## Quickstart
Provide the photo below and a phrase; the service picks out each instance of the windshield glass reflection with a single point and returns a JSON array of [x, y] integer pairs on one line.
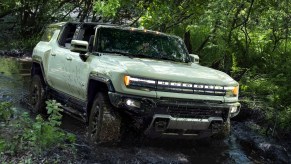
[[141, 44]]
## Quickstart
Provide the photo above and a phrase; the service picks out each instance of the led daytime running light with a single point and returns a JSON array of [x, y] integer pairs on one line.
[[126, 80], [232, 90], [235, 91]]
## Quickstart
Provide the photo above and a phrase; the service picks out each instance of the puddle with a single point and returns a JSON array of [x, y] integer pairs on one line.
[[14, 79], [14, 82]]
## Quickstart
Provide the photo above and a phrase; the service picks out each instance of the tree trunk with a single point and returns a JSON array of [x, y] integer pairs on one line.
[[187, 41]]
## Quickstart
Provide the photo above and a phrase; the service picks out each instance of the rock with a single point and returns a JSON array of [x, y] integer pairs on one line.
[[274, 152], [264, 146], [248, 113]]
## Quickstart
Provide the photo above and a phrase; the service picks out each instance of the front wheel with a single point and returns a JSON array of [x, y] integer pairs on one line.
[[224, 132], [104, 122], [37, 94]]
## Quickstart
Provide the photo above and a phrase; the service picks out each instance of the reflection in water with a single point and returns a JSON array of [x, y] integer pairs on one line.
[[14, 79], [9, 66]]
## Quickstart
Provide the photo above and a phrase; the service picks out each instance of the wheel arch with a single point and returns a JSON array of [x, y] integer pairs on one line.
[[37, 69], [97, 84]]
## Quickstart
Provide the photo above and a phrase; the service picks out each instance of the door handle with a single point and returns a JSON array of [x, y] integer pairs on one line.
[[53, 54], [69, 58]]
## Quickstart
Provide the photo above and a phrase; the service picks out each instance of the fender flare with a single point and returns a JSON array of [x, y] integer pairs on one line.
[[33, 69], [103, 79]]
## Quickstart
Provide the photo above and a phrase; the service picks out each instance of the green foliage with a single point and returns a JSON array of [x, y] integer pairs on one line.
[[19, 44], [107, 9], [53, 109], [284, 120], [260, 86], [45, 134], [24, 134], [2, 145], [5, 111], [27, 18]]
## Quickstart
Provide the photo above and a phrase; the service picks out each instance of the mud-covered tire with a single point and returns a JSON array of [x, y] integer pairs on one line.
[[37, 95], [224, 132], [104, 122]]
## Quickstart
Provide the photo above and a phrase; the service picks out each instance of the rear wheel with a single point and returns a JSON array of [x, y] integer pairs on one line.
[[37, 94], [104, 124]]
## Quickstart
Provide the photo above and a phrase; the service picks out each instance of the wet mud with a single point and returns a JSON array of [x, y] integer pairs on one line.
[[239, 147]]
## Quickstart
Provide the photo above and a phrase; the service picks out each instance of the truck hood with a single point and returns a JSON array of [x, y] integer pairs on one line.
[[172, 71]]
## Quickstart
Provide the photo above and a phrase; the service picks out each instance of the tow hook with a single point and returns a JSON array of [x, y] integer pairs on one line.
[[160, 124], [216, 126]]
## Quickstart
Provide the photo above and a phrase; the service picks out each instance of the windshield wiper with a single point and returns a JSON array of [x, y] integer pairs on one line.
[[140, 56], [155, 57], [170, 59]]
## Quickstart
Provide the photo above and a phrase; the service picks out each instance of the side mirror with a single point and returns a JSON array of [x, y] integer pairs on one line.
[[194, 58], [79, 46]]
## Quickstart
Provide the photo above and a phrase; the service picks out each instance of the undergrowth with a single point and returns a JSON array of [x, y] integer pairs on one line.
[[263, 94], [19, 44], [20, 135]]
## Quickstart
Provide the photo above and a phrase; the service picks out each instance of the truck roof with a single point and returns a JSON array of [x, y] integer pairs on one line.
[[108, 25]]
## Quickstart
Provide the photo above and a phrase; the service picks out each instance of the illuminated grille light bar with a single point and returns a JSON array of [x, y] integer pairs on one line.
[[190, 88], [171, 86]]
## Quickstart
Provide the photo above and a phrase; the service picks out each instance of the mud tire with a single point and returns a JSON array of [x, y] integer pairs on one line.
[[37, 95], [224, 133], [104, 122]]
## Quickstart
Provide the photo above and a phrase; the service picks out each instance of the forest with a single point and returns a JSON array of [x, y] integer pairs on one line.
[[248, 39]]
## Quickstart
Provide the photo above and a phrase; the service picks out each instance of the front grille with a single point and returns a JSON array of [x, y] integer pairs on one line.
[[192, 110], [194, 113]]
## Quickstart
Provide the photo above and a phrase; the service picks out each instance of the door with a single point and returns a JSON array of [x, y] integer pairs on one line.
[[78, 75], [57, 74]]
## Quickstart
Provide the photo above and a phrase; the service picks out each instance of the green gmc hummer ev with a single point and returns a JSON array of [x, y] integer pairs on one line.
[[115, 78]]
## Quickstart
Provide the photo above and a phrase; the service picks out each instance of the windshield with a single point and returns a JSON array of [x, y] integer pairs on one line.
[[141, 44]]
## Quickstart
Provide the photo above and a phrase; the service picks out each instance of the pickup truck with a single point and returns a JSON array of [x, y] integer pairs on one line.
[[116, 78]]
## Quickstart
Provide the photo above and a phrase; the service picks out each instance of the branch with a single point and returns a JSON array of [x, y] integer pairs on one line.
[[62, 3], [135, 20], [248, 16], [179, 21], [68, 13], [208, 37], [234, 21], [10, 11]]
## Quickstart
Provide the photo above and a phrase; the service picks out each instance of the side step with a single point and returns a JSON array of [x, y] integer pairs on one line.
[[74, 113]]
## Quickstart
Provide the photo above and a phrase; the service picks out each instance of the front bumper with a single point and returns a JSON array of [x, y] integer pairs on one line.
[[176, 117]]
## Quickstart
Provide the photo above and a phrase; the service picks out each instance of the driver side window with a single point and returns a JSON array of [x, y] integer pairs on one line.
[[67, 35]]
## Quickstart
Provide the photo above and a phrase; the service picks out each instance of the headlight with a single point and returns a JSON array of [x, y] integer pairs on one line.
[[135, 82], [231, 91]]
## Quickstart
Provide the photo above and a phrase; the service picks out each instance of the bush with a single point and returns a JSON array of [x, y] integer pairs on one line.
[[23, 45], [25, 135], [5, 111], [264, 92]]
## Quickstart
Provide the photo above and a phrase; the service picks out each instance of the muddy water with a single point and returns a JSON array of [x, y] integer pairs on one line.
[[14, 79], [14, 82]]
